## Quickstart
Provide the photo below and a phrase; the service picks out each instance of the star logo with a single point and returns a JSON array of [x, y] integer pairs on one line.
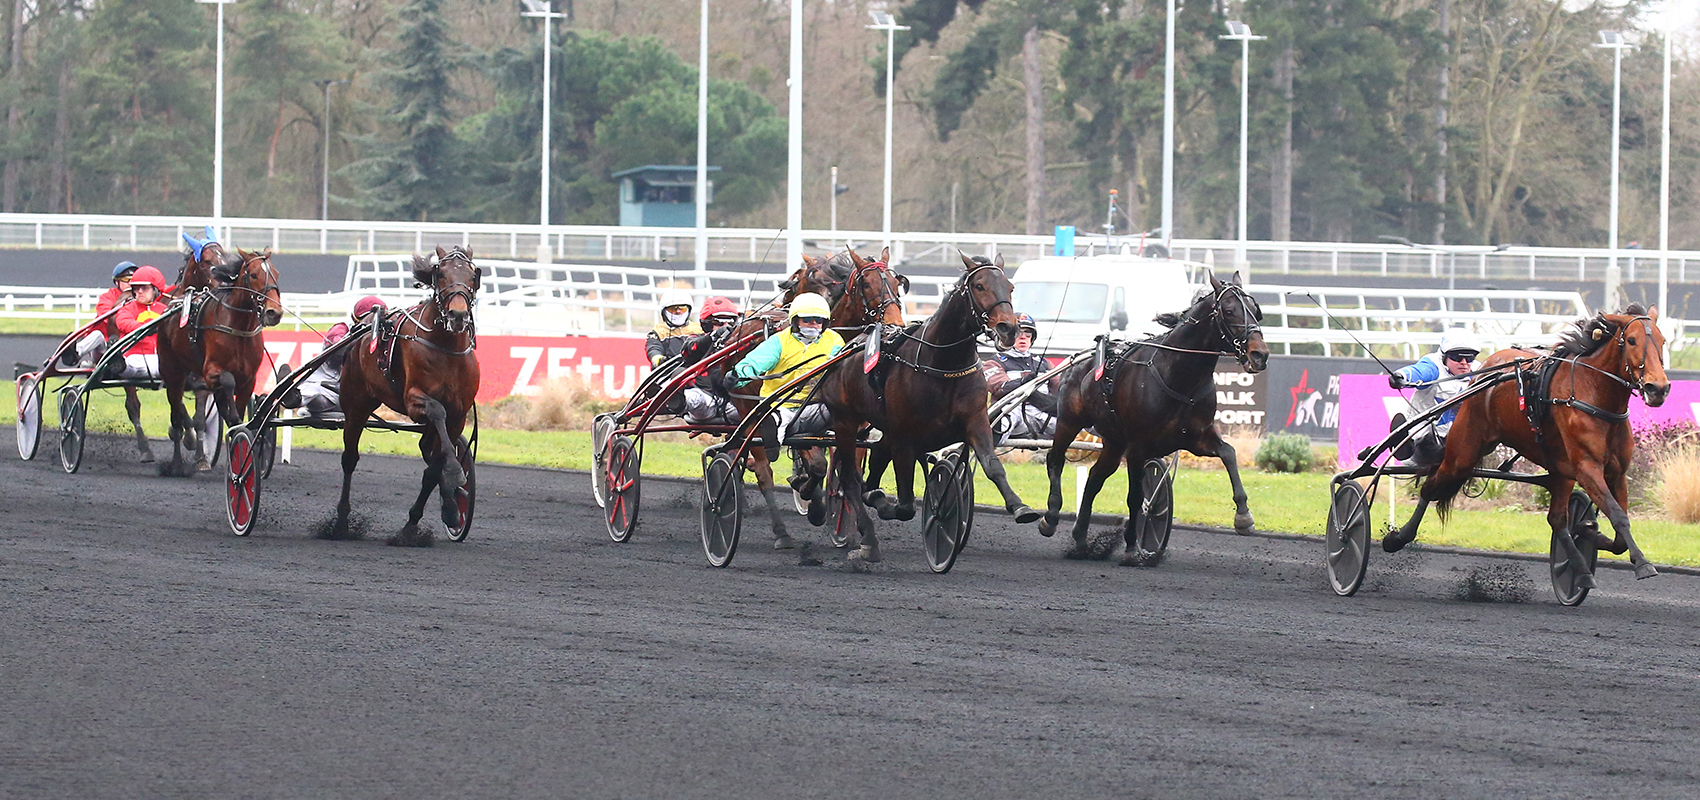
[[1301, 389]]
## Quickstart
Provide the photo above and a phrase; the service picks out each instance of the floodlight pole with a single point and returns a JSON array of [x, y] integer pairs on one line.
[[1169, 128], [794, 145], [701, 190], [1613, 41], [325, 159], [218, 122], [1240, 32], [883, 21], [1664, 191], [545, 10]]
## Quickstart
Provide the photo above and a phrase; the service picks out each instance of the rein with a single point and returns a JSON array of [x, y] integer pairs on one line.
[[981, 316]]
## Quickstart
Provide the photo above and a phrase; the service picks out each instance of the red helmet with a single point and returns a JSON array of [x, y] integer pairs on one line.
[[364, 306], [716, 307], [148, 276]]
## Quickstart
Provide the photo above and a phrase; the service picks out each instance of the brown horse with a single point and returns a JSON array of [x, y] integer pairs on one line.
[[933, 396], [432, 378], [215, 344], [860, 292], [1152, 399], [1584, 439]]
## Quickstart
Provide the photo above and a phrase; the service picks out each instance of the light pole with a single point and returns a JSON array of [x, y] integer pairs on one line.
[[883, 21], [1169, 129], [218, 121], [325, 159], [1613, 41], [794, 145], [1664, 192], [700, 192], [1241, 32], [545, 10]]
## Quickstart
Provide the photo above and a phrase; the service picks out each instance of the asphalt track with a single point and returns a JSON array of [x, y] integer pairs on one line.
[[146, 652]]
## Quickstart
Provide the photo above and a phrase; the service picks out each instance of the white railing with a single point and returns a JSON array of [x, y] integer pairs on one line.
[[1410, 323], [578, 243]]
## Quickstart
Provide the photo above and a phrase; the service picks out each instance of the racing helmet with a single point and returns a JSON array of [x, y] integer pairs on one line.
[[717, 306], [1025, 322], [148, 276], [1460, 341], [123, 268], [676, 297], [364, 306], [809, 304]]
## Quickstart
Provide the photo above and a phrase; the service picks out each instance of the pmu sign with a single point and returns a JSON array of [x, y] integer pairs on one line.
[[1240, 395]]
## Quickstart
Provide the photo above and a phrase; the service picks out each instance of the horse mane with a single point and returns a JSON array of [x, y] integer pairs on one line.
[[1586, 335], [839, 266], [228, 269]]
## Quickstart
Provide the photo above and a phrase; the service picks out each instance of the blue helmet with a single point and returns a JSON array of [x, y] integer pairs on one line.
[[123, 268], [1025, 322]]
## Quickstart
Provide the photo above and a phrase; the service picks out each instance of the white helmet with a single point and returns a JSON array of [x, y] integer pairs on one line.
[[677, 297], [1460, 339]]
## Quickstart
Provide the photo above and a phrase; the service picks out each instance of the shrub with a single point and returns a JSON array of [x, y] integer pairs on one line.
[[1678, 486], [1285, 452], [563, 404]]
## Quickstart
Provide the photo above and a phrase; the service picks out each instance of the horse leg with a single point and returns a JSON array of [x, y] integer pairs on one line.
[[410, 535], [133, 406], [202, 464], [1055, 460], [1593, 481], [1558, 517], [182, 426], [1135, 510], [1109, 459], [850, 483], [451, 477], [879, 456], [982, 441], [225, 396], [351, 430], [1211, 444], [903, 465], [764, 479]]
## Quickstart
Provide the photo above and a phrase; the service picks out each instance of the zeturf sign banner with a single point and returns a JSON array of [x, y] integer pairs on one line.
[[612, 367]]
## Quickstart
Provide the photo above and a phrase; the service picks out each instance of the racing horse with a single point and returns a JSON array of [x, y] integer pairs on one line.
[[431, 376], [215, 344], [1148, 399], [1579, 430], [924, 393], [861, 293]]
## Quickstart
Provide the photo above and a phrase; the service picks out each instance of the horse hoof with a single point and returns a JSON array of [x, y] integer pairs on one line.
[[817, 511], [1132, 560], [873, 497], [906, 513], [784, 542], [888, 511], [1243, 524], [1047, 528], [147, 457], [868, 554], [1586, 581], [1026, 514], [1394, 541], [203, 465], [1645, 570], [411, 536]]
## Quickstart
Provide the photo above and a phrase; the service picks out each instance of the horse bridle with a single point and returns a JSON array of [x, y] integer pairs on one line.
[[233, 286], [1239, 341], [879, 268], [442, 295], [1639, 383], [983, 316]]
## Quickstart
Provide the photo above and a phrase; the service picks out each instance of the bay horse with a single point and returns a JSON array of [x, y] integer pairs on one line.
[[1153, 398], [215, 344], [933, 396], [860, 293], [1583, 435], [432, 378]]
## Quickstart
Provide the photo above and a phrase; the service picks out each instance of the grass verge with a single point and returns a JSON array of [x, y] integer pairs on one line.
[[1281, 502]]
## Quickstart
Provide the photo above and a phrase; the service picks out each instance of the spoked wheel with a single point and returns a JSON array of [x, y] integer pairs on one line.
[[242, 482], [267, 447], [722, 508], [840, 513], [965, 479], [212, 432], [1156, 512], [621, 485], [29, 416], [1566, 577], [466, 497], [73, 410], [600, 431], [1348, 537], [942, 522]]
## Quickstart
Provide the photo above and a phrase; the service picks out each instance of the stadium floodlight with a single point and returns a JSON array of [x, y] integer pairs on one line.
[[884, 21], [544, 10], [1240, 32], [1614, 41]]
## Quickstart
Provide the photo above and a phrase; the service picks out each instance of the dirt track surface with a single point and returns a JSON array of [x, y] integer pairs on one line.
[[146, 652]]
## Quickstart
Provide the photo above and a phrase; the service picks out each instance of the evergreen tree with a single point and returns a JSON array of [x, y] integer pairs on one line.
[[412, 167], [281, 54]]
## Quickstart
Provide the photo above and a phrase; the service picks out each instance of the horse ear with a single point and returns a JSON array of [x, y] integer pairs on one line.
[[1236, 279], [885, 256], [243, 254], [268, 252], [1214, 282], [997, 261], [1653, 313], [1168, 319], [855, 258], [967, 263], [809, 261], [467, 250], [441, 253]]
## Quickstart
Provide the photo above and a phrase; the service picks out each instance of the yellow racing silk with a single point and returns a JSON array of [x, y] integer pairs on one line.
[[780, 354]]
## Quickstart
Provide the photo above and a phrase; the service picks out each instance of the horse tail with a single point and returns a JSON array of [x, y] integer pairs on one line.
[[1442, 494]]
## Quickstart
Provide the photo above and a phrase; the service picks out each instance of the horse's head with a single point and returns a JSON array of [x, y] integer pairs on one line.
[[872, 293], [454, 281], [203, 267], [989, 297], [1237, 316], [254, 276], [1637, 334]]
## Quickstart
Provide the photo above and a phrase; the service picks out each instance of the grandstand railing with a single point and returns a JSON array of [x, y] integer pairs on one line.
[[607, 243]]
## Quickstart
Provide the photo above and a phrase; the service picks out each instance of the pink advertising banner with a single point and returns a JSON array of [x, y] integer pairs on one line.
[[1367, 406]]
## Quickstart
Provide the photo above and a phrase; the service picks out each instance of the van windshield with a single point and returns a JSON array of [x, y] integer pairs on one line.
[[1057, 301]]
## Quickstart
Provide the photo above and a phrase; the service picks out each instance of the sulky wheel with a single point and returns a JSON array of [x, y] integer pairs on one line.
[[965, 479], [601, 430], [212, 432], [1348, 537], [722, 508], [621, 485], [242, 482], [1156, 513], [840, 513], [29, 416], [268, 451], [1567, 583], [73, 411], [466, 497], [942, 522]]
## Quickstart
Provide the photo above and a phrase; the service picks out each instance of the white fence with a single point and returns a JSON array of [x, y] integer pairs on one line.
[[590, 243], [1409, 323]]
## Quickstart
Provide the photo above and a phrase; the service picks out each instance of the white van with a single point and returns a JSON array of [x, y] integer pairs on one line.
[[1075, 299]]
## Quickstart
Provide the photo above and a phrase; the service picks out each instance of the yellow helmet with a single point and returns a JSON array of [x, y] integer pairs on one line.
[[809, 304]]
